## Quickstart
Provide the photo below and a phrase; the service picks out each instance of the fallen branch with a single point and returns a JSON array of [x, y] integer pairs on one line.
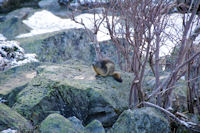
[[189, 125]]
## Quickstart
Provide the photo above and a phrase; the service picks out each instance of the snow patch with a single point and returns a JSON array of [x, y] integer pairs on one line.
[[2, 100], [11, 55], [9, 131], [45, 22], [2, 37]]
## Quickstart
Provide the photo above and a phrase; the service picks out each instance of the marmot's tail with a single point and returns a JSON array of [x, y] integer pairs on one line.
[[117, 77]]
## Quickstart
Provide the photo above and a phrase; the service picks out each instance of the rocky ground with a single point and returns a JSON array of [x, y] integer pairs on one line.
[[57, 90]]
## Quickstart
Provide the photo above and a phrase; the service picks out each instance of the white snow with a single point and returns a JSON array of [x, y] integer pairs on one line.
[[11, 44], [11, 55], [91, 1], [2, 38], [28, 58], [2, 100], [83, 2], [9, 131], [45, 21]]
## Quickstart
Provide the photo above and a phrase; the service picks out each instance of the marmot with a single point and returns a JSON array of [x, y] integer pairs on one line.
[[106, 67]]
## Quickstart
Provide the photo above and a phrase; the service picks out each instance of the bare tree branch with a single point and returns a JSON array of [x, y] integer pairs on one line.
[[171, 75]]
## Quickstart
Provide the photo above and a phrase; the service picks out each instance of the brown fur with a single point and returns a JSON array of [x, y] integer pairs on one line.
[[106, 67]]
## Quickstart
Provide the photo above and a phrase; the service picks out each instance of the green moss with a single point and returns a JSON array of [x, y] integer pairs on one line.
[[11, 119], [141, 120], [56, 123], [16, 77], [95, 127], [69, 89]]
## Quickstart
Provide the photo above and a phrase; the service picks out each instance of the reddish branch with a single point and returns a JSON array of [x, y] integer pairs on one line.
[[172, 74]]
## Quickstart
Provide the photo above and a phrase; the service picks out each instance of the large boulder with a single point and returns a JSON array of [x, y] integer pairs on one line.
[[11, 119], [143, 120], [56, 123], [73, 43], [58, 47], [72, 89]]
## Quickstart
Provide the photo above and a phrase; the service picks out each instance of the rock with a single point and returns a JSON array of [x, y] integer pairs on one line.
[[55, 7], [13, 80], [21, 13], [11, 119], [77, 124], [143, 120], [62, 46], [64, 2], [74, 43], [13, 27], [95, 127], [56, 123], [51, 5], [12, 24], [8, 5], [44, 96], [71, 89]]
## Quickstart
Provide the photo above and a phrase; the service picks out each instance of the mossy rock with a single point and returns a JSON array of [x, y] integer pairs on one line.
[[60, 46], [11, 119], [13, 27], [95, 127], [13, 80], [56, 123], [143, 120], [72, 89]]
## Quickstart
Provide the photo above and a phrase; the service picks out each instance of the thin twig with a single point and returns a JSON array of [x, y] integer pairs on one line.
[[172, 74]]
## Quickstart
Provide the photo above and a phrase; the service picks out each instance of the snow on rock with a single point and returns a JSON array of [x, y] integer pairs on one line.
[[2, 37], [11, 55], [45, 21], [82, 2], [9, 131], [2, 100], [85, 2]]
